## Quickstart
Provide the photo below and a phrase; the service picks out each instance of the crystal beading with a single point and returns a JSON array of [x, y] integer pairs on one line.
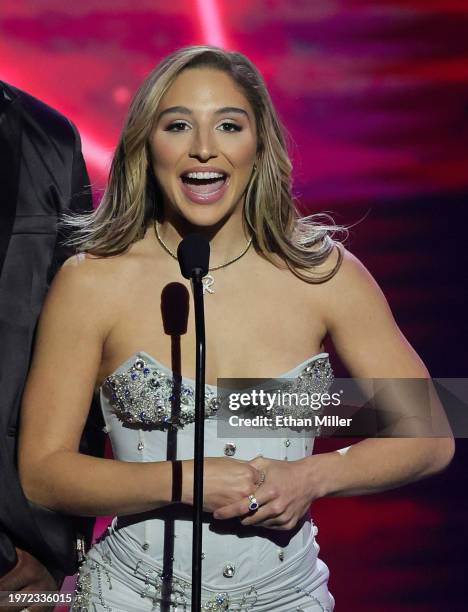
[[146, 396], [154, 588], [315, 377], [155, 583]]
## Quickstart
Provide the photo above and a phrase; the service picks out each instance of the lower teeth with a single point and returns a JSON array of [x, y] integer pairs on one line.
[[206, 187]]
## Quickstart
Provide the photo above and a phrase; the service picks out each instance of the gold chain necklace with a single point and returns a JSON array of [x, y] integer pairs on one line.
[[208, 280]]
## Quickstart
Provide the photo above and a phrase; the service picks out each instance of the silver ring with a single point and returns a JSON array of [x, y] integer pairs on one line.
[[253, 503], [262, 479]]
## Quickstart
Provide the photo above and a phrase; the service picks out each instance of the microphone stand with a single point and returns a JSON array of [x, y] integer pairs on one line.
[[199, 443]]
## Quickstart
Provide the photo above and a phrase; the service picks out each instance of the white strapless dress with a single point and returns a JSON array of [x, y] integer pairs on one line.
[[144, 561]]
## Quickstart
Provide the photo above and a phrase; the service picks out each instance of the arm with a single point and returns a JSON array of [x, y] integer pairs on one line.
[[72, 329], [76, 319], [370, 344]]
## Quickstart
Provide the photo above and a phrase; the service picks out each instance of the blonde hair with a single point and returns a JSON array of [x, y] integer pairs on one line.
[[132, 197]]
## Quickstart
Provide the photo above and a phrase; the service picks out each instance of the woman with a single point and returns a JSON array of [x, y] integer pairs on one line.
[[202, 149]]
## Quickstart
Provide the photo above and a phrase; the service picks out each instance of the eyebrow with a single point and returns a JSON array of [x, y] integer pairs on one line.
[[186, 111]]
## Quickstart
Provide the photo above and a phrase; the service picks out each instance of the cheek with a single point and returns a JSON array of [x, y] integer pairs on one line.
[[243, 153], [164, 152]]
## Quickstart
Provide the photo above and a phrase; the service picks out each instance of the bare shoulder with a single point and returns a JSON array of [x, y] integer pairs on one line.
[[88, 286], [352, 287], [86, 267], [83, 277], [362, 327], [102, 275], [350, 271], [100, 285]]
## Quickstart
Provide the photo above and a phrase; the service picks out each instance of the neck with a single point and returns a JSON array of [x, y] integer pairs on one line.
[[227, 238]]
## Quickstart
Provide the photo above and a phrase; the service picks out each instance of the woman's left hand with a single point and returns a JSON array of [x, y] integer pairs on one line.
[[283, 498]]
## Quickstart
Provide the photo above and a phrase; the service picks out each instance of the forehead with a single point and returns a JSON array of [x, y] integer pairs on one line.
[[201, 88]]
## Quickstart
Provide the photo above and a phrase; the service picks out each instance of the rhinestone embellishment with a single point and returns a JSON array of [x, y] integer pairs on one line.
[[229, 570], [139, 364], [230, 449], [145, 395], [88, 592], [218, 603], [316, 377]]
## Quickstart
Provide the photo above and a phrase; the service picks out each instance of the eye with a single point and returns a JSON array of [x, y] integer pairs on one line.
[[236, 128], [175, 124]]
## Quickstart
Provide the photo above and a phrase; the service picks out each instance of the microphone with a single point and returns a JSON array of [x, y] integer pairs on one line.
[[193, 254]]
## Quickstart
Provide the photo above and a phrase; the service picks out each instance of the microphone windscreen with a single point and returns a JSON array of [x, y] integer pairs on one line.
[[193, 252]]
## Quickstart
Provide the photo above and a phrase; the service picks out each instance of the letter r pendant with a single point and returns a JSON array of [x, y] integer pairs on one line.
[[207, 282]]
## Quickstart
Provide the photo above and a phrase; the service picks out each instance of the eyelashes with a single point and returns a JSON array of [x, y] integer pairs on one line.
[[170, 128], [236, 128]]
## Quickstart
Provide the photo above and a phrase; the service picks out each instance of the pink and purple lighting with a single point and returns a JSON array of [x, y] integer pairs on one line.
[[375, 98]]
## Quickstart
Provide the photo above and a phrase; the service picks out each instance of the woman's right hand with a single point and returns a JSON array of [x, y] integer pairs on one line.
[[225, 481]]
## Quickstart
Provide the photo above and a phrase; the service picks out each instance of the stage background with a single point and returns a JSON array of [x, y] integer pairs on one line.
[[375, 97]]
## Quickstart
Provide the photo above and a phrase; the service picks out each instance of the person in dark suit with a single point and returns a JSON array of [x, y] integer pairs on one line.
[[42, 174]]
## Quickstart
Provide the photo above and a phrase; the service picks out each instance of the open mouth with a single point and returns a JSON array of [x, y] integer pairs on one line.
[[204, 183]]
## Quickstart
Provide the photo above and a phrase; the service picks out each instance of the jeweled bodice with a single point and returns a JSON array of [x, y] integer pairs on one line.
[[148, 395], [149, 415]]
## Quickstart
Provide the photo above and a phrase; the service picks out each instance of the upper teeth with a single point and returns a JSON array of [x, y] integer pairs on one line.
[[204, 175]]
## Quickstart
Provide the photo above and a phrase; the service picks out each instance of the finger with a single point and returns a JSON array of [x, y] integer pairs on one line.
[[265, 513], [277, 522], [230, 511], [241, 507], [274, 527], [258, 518]]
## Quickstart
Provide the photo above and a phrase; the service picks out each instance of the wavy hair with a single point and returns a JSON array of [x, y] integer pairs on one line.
[[132, 197]]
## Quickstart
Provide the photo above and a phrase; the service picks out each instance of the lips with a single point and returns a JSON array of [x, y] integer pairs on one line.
[[204, 190]]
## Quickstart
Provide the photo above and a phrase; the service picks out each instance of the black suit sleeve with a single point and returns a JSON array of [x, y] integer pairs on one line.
[[49, 142], [80, 202]]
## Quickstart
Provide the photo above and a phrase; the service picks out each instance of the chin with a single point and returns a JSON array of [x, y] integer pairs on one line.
[[204, 219], [204, 215]]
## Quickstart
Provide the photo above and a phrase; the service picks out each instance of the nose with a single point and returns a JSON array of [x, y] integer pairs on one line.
[[203, 146]]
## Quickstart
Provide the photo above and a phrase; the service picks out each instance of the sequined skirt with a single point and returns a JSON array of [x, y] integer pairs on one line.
[[117, 577]]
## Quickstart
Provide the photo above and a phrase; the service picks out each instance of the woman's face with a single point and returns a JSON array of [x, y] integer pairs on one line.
[[203, 124]]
